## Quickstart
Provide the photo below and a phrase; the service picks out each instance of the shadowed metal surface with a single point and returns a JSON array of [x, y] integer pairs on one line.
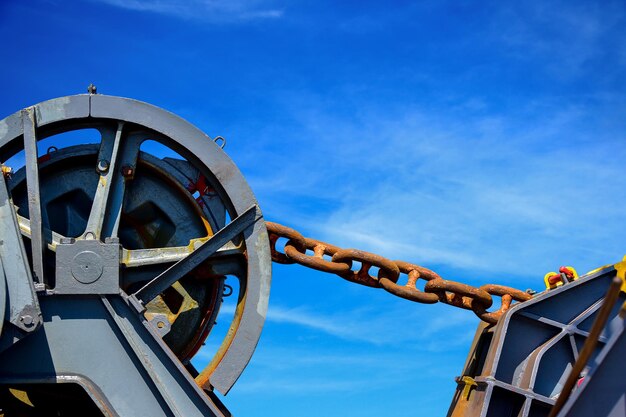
[[67, 225], [519, 366]]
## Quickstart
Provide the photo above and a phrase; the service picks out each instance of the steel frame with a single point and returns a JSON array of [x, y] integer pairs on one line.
[[71, 337]]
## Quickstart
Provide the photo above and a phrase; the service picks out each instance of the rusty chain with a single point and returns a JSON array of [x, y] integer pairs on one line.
[[335, 260]]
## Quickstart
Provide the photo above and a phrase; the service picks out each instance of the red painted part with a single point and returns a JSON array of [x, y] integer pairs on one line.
[[553, 279], [568, 272]]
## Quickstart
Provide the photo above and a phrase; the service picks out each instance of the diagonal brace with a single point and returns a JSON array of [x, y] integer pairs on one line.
[[163, 281], [22, 309]]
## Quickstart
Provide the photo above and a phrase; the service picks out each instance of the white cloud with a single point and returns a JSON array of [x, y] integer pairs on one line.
[[207, 10], [493, 193], [394, 326]]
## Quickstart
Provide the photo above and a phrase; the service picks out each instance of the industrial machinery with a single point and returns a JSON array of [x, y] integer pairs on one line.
[[119, 223]]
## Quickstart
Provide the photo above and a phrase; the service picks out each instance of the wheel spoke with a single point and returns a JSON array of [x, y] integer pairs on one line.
[[29, 121], [184, 266], [142, 257], [52, 238], [116, 164]]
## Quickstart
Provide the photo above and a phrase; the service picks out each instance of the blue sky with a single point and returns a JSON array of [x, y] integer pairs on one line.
[[485, 141]]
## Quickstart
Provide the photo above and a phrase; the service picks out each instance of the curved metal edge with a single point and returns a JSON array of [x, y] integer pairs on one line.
[[232, 181], [46, 112], [256, 298], [3, 297]]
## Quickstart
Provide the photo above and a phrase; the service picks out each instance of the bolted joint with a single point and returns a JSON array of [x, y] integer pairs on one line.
[[29, 319], [103, 166], [7, 171]]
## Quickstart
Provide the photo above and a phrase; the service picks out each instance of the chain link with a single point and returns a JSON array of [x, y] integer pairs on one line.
[[335, 260]]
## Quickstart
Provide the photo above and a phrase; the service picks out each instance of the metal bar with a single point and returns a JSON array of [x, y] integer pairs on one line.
[[32, 181], [52, 238], [125, 166], [590, 344], [184, 266], [132, 258], [23, 310], [3, 296], [174, 384], [107, 166]]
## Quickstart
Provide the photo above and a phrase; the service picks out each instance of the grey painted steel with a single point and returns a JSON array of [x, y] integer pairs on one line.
[[69, 172], [603, 391], [113, 354], [34, 205], [165, 280], [88, 267], [108, 165], [110, 198], [525, 359], [234, 185], [87, 110], [3, 297], [22, 305], [185, 171]]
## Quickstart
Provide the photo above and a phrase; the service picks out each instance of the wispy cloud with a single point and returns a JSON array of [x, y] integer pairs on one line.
[[565, 35], [480, 191], [207, 10], [372, 326]]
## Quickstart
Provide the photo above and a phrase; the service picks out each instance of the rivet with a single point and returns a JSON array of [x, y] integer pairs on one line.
[[103, 165]]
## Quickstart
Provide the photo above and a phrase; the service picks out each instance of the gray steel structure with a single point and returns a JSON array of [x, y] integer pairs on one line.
[[94, 235], [102, 244], [519, 366]]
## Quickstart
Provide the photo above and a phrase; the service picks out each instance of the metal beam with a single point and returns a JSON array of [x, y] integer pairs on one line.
[[29, 121], [23, 307], [186, 265]]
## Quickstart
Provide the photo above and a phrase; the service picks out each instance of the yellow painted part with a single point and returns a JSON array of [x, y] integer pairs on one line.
[[22, 396], [6, 170], [207, 226], [548, 285], [620, 267], [469, 383], [558, 284], [598, 269], [158, 306]]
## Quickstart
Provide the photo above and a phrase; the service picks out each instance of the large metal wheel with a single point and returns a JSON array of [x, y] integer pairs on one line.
[[160, 209]]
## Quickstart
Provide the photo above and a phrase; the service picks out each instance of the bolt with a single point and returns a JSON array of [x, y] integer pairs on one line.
[[7, 171], [103, 165], [128, 171], [92, 89], [160, 324], [27, 320]]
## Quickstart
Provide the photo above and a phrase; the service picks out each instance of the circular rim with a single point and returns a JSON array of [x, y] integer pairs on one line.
[[3, 298], [238, 346]]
